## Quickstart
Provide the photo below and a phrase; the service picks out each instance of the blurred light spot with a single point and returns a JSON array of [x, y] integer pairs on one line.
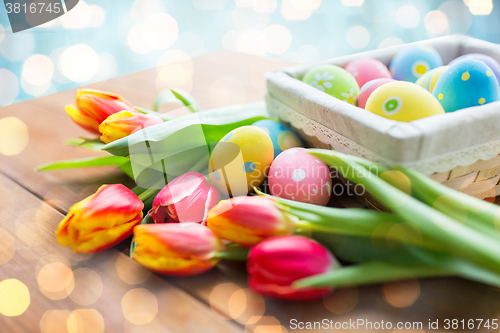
[[436, 22], [49, 259], [290, 12], [26, 228], [159, 31], [390, 41], [306, 4], [38, 69], [265, 6], [55, 321], [8, 248], [244, 3], [152, 327], [79, 63], [227, 91], [14, 136], [173, 56], [125, 24], [230, 40], [77, 18], [33, 89], [136, 42], [252, 42], [278, 38], [210, 4], [358, 37], [401, 294], [85, 321], [480, 7], [191, 43], [245, 306], [248, 19], [55, 56], [267, 324], [342, 300], [87, 287], [17, 47], [355, 3], [107, 65], [15, 297], [453, 9], [54, 23], [408, 16], [308, 53], [97, 16], [9, 87], [55, 280], [139, 306], [130, 271], [141, 9], [219, 298], [466, 2], [174, 76]]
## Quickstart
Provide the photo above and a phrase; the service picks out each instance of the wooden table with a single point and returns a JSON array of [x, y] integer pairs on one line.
[[110, 292]]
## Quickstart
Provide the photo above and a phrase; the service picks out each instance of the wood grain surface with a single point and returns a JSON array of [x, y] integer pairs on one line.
[[110, 292]]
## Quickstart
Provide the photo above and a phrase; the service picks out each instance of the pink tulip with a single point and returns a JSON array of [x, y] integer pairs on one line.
[[274, 264], [187, 198]]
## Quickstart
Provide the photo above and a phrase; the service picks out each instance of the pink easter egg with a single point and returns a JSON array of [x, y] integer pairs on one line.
[[297, 175], [365, 70], [368, 88]]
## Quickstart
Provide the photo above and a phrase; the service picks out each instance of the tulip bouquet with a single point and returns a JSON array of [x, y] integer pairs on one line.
[[182, 225]]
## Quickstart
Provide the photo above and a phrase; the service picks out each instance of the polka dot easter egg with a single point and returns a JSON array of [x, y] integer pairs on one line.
[[466, 84], [368, 88], [412, 62], [335, 81], [283, 138], [365, 70], [488, 61], [297, 175], [241, 160], [403, 101], [429, 79]]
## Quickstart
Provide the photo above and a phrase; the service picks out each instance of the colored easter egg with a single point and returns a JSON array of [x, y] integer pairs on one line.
[[466, 84], [335, 81], [297, 175], [365, 70], [368, 88], [282, 136], [412, 62], [489, 61], [241, 160], [403, 101]]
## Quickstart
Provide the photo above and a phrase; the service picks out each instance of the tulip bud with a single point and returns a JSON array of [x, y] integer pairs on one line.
[[93, 107], [249, 220], [187, 198], [274, 264], [176, 249], [124, 123], [101, 221]]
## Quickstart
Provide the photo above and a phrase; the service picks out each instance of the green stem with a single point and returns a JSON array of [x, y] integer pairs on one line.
[[369, 273], [233, 253]]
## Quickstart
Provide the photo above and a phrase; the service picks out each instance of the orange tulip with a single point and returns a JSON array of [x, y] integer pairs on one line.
[[249, 220], [101, 221], [93, 107], [124, 123], [180, 249]]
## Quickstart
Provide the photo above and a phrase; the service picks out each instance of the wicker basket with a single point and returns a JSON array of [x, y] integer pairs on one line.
[[325, 122]]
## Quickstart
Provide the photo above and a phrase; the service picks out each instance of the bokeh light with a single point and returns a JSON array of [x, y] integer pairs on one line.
[[14, 135], [342, 300], [85, 321], [355, 3], [8, 248], [480, 7], [401, 294], [87, 287], [291, 12], [79, 63], [130, 271], [15, 298], [358, 37], [77, 18], [55, 321], [159, 31], [436, 22], [139, 306], [278, 38], [17, 47], [408, 16], [56, 280]]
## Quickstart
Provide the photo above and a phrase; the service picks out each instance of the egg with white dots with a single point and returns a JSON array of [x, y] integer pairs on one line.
[[403, 101], [410, 63], [241, 160], [297, 175], [465, 84], [282, 136]]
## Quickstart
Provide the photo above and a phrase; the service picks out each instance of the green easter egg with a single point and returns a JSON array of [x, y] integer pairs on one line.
[[335, 81]]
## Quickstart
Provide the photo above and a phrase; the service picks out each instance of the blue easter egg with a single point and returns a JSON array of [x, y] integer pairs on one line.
[[412, 62], [281, 135], [466, 84]]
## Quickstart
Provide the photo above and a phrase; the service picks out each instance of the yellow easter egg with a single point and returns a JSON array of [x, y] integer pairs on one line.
[[241, 160], [403, 101]]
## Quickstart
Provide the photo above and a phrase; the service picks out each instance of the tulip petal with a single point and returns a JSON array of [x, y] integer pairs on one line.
[[82, 120]]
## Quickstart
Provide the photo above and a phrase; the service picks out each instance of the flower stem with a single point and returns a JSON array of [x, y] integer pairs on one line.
[[233, 253]]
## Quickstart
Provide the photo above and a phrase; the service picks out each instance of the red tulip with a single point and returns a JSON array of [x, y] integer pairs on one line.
[[187, 198], [274, 264]]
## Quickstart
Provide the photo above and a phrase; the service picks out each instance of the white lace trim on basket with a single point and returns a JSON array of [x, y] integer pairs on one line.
[[338, 142]]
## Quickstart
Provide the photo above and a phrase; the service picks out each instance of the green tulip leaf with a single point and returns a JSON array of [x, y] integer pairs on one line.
[[84, 163], [177, 96], [92, 144]]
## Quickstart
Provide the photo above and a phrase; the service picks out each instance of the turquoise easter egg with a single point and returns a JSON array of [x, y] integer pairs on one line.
[[335, 81], [466, 84], [282, 136], [410, 63]]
